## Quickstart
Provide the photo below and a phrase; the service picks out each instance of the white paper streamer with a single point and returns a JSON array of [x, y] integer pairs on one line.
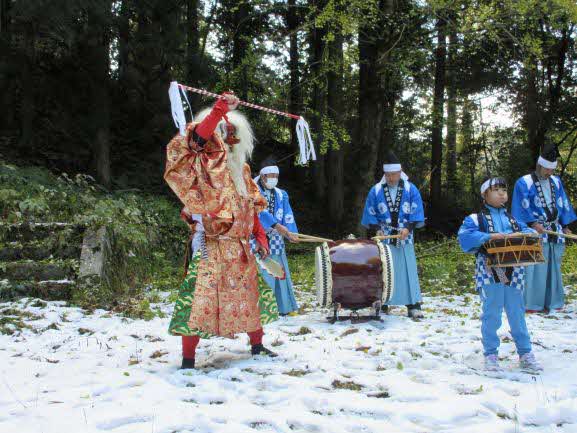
[[177, 108], [306, 145]]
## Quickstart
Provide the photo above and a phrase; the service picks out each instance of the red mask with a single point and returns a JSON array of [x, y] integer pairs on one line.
[[231, 138]]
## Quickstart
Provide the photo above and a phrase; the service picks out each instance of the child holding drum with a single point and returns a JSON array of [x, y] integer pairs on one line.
[[499, 287]]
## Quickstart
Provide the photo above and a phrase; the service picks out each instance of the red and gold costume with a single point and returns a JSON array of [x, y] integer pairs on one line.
[[226, 297]]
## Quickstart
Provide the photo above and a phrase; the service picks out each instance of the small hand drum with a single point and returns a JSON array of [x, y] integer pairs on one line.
[[523, 250]]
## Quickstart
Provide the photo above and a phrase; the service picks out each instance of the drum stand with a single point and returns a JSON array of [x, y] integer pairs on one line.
[[355, 317]]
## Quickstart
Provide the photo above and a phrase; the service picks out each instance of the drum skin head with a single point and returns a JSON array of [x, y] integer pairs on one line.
[[353, 273]]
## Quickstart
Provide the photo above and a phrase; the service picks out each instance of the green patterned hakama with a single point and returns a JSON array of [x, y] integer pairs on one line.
[[179, 323]]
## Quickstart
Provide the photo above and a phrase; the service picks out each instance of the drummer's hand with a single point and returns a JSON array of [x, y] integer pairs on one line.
[[380, 233], [567, 230], [404, 234], [538, 227], [293, 238], [262, 251], [283, 231], [497, 236]]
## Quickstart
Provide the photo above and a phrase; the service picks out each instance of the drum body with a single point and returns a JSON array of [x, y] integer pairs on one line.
[[354, 274], [514, 251]]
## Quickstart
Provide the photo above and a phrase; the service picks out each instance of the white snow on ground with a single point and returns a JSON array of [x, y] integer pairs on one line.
[[103, 373]]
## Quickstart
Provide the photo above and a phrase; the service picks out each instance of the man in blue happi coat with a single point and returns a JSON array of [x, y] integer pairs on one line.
[[279, 223], [540, 201], [394, 206]]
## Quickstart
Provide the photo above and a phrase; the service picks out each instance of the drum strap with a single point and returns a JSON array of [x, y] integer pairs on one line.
[[551, 212], [394, 208], [271, 198], [487, 225]]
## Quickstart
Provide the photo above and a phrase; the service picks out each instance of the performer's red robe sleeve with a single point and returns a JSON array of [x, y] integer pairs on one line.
[[259, 233], [206, 128]]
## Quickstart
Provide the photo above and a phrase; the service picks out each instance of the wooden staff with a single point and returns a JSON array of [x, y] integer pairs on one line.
[[307, 238], [565, 235], [382, 238], [521, 235]]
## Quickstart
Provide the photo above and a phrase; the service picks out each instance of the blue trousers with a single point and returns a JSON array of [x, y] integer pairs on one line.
[[544, 282], [495, 298]]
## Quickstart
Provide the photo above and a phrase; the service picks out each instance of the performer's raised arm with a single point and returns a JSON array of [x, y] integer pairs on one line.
[[205, 129]]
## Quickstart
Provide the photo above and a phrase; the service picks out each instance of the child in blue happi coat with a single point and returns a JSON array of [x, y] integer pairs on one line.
[[499, 288]]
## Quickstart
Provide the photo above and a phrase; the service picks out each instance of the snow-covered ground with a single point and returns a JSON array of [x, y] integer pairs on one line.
[[103, 373]]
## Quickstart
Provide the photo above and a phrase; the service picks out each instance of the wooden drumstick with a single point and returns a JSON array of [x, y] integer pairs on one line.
[[565, 235], [382, 238], [307, 238], [521, 235], [312, 241]]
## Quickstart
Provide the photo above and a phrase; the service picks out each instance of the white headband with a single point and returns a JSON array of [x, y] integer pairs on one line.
[[403, 176], [485, 186], [488, 183], [547, 164], [271, 169], [388, 168]]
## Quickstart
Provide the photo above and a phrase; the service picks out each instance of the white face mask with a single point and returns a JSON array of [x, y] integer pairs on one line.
[[271, 183]]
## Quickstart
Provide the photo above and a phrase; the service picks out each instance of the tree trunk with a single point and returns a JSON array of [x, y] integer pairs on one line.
[[124, 42], [9, 68], [532, 117], [438, 107], [370, 114], [542, 99], [294, 91], [192, 42], [390, 82], [387, 131], [469, 148], [452, 184], [334, 113], [240, 45], [28, 109], [98, 62], [4, 17], [318, 96]]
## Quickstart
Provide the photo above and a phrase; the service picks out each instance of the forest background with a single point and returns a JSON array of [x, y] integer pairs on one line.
[[456, 88]]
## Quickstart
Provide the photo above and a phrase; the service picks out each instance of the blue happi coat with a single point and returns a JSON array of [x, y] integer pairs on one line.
[[279, 212], [411, 215], [544, 282]]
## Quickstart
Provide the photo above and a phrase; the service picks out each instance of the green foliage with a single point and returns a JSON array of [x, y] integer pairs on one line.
[[333, 135], [147, 236], [444, 268]]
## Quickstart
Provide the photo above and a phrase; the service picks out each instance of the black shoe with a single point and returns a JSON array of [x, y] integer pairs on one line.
[[385, 309], [415, 313], [259, 349], [187, 363]]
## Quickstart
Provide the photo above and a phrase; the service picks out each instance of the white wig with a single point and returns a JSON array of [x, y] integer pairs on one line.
[[243, 129], [242, 151]]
